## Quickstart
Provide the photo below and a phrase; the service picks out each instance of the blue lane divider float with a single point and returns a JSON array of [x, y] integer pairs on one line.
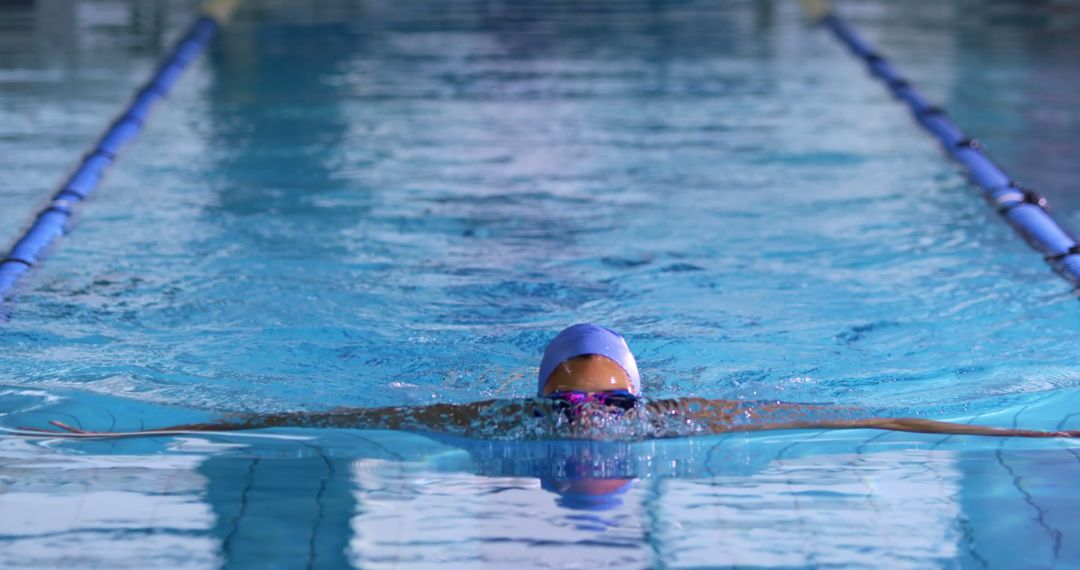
[[52, 221], [1022, 208]]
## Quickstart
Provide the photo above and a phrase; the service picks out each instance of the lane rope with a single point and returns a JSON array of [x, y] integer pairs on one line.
[[52, 221], [1025, 210]]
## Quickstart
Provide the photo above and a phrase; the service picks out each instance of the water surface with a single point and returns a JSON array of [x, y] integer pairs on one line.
[[380, 204]]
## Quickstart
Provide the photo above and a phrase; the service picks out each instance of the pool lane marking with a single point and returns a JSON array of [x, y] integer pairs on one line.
[[1023, 209], [51, 222]]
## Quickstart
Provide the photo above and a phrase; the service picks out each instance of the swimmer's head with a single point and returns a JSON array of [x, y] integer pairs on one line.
[[588, 358]]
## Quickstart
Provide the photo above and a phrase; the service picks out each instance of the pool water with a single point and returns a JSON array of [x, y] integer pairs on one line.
[[394, 204]]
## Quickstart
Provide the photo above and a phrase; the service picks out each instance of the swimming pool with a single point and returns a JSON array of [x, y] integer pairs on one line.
[[382, 204]]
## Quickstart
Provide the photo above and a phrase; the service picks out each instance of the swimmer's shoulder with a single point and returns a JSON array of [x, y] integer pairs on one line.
[[719, 412], [691, 404]]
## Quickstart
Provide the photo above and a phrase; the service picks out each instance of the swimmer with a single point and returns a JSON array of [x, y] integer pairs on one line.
[[587, 377]]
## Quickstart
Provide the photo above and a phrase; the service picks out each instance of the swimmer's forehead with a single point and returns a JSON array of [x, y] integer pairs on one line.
[[587, 373]]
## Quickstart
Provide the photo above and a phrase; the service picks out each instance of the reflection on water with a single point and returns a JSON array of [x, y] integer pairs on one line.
[[384, 499]]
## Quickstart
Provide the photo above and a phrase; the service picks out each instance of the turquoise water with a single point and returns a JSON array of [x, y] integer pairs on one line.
[[396, 204]]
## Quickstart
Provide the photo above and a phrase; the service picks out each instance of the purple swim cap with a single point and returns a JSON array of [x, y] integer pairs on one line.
[[582, 339]]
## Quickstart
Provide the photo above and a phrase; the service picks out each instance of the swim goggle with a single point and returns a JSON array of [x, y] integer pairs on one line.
[[572, 403]]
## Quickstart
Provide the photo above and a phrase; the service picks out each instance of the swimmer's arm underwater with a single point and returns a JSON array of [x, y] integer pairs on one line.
[[727, 416], [416, 421], [433, 417], [914, 425], [713, 417]]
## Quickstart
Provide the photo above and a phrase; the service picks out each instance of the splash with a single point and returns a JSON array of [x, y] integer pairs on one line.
[[537, 419]]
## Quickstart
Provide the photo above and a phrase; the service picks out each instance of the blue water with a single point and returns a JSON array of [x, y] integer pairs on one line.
[[397, 204]]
